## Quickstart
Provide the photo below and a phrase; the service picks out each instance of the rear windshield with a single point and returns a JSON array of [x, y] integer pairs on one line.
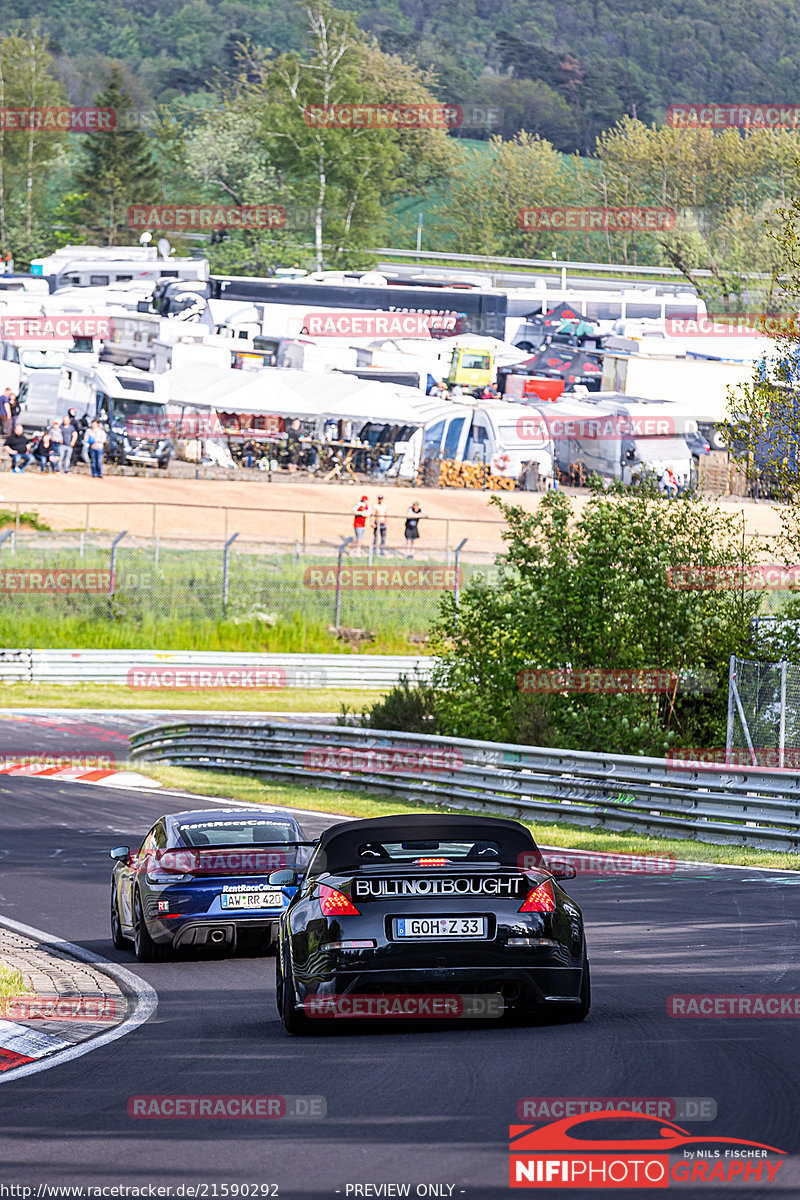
[[236, 833], [429, 853]]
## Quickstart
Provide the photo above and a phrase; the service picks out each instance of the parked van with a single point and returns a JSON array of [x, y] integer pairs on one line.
[[509, 438]]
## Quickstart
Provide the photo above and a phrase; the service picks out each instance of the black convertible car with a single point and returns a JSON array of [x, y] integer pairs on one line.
[[429, 905]]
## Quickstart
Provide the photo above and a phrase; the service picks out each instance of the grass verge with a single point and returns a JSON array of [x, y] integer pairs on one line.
[[11, 982], [341, 802], [107, 696]]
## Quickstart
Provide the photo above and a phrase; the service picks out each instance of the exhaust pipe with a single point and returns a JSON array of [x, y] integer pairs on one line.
[[217, 935]]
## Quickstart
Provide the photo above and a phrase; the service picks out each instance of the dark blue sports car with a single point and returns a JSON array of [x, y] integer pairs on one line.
[[211, 877]]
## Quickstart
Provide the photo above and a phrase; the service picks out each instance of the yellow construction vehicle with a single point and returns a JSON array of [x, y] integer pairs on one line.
[[471, 368]]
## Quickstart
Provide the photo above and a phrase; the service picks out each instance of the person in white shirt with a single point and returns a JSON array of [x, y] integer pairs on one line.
[[96, 441]]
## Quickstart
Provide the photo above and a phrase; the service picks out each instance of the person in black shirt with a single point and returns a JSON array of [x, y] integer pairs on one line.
[[45, 451], [413, 516], [17, 447]]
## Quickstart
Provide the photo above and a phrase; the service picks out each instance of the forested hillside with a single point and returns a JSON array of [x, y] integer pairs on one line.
[[566, 71]]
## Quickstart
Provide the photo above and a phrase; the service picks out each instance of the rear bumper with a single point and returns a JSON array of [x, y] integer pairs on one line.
[[520, 985], [202, 931]]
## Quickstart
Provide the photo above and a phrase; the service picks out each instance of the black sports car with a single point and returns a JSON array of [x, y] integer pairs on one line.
[[429, 905]]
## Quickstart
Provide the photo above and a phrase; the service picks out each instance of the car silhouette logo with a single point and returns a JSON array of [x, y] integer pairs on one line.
[[558, 1136]]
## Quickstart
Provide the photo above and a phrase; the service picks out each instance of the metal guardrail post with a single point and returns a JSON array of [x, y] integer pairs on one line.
[[782, 731], [226, 555], [456, 581], [338, 608], [112, 583], [731, 686]]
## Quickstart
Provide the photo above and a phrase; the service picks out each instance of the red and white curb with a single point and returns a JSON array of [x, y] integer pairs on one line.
[[20, 1045], [38, 1051], [123, 779]]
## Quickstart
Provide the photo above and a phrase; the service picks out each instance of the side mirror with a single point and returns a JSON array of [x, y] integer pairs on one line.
[[284, 878], [119, 853], [560, 869]]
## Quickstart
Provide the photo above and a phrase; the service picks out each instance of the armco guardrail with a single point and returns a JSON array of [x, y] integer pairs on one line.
[[619, 792], [378, 671]]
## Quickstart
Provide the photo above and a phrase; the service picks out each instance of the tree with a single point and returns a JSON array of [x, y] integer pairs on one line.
[[492, 188], [347, 173], [724, 188], [596, 590], [28, 155], [118, 168]]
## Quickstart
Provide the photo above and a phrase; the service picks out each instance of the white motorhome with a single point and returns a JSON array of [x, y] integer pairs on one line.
[[131, 404], [21, 359], [508, 438], [99, 266], [618, 438]]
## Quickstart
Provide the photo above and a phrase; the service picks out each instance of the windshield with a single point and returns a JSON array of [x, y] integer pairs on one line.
[[133, 409], [658, 448], [35, 360], [531, 426]]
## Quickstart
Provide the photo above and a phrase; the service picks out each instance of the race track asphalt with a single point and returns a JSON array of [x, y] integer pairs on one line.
[[429, 1105]]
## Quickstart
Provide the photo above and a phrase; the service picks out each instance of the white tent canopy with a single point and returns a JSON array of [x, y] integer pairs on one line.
[[287, 393]]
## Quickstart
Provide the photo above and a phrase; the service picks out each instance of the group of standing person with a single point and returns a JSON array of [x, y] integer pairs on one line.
[[55, 448], [376, 516]]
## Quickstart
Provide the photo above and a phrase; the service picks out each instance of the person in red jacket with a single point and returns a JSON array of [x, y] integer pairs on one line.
[[362, 512]]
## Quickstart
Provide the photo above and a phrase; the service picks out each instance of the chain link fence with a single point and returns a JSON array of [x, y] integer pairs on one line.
[[98, 580], [763, 713]]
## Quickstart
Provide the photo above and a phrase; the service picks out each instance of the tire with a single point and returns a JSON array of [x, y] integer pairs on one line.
[[572, 1014], [145, 949], [294, 1022], [118, 939]]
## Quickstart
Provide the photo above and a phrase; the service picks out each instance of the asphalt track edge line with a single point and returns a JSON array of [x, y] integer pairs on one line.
[[145, 996]]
